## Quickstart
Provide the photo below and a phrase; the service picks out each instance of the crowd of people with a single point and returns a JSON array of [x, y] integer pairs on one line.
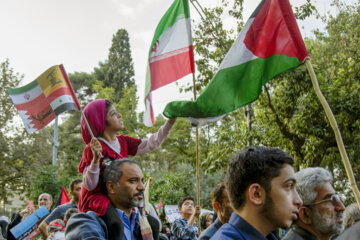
[[261, 197]]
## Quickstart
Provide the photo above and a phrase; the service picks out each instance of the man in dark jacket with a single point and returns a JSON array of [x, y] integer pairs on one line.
[[221, 204], [124, 184], [261, 186]]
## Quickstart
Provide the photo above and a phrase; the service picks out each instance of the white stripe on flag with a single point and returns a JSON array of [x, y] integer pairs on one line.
[[175, 37], [61, 100], [27, 121], [238, 53], [27, 96], [169, 54], [147, 114]]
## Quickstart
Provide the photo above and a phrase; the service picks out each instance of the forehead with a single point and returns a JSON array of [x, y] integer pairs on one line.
[[188, 201], [111, 109], [324, 191], [131, 170], [286, 173], [78, 185], [44, 196]]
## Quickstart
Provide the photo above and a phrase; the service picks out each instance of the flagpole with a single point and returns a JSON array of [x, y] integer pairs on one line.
[[55, 141], [333, 123], [202, 17], [89, 128], [197, 159]]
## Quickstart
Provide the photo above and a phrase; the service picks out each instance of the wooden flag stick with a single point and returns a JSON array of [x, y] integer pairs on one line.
[[197, 159], [336, 130], [89, 128]]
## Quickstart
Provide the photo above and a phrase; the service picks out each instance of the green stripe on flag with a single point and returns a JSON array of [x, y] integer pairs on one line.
[[232, 88], [178, 10], [23, 89]]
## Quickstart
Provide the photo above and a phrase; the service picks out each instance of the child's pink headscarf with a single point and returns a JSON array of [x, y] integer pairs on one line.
[[95, 113]]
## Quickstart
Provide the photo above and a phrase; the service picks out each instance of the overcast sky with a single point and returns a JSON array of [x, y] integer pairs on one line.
[[37, 34]]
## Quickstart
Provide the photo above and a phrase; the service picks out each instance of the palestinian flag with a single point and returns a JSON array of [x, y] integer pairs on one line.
[[63, 197], [159, 208], [270, 43], [171, 54], [40, 101]]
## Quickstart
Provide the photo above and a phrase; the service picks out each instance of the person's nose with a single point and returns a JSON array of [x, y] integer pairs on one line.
[[141, 186], [297, 200], [339, 207]]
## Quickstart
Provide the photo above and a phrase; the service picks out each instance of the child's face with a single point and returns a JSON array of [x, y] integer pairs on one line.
[[114, 119], [187, 207]]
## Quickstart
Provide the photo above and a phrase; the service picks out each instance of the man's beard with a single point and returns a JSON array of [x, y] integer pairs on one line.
[[226, 214], [268, 212], [137, 203], [326, 224]]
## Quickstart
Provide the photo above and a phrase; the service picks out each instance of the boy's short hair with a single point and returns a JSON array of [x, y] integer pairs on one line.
[[253, 165], [184, 199]]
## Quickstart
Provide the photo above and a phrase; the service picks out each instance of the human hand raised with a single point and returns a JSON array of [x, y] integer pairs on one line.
[[96, 149]]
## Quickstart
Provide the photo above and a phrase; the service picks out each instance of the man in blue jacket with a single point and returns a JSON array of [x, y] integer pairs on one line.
[[261, 186], [124, 184], [221, 204]]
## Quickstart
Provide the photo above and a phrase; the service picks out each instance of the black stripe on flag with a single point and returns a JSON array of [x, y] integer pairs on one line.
[[65, 107]]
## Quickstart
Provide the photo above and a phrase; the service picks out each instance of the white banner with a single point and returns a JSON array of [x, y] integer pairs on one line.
[[172, 212]]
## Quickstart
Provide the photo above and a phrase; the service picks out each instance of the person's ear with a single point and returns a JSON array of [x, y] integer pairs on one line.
[[110, 186], [304, 215], [256, 194], [180, 209], [216, 206]]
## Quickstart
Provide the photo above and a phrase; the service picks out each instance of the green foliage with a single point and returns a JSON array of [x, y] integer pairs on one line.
[[172, 186], [45, 181], [288, 114], [118, 71], [82, 83]]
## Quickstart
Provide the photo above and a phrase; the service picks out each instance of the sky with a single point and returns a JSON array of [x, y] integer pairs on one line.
[[37, 34]]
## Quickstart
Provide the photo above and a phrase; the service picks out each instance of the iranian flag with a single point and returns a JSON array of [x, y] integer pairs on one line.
[[40, 101], [270, 43], [171, 54]]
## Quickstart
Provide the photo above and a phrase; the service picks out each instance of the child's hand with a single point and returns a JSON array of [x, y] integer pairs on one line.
[[96, 148]]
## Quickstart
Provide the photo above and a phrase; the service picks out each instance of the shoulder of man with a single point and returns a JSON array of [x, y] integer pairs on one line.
[[154, 224], [227, 231], [86, 226], [59, 212], [297, 233]]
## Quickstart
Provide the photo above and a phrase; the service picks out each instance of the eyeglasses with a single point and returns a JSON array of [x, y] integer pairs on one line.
[[335, 199]]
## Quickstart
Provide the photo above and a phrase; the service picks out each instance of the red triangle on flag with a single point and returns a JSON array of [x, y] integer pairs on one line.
[[64, 197]]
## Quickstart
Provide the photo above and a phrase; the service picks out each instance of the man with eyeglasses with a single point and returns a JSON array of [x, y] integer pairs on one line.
[[320, 217]]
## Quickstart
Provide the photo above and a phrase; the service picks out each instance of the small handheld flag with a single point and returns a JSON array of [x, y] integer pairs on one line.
[[40, 101]]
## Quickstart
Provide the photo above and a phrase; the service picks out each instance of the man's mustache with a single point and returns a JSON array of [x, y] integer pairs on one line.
[[138, 194]]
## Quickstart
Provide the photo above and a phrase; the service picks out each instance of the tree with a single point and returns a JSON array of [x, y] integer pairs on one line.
[[289, 115], [117, 71]]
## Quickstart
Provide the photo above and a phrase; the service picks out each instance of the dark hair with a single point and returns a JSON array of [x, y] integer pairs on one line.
[[69, 213], [184, 199], [73, 183], [217, 193], [113, 171], [108, 104], [203, 219], [253, 165]]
